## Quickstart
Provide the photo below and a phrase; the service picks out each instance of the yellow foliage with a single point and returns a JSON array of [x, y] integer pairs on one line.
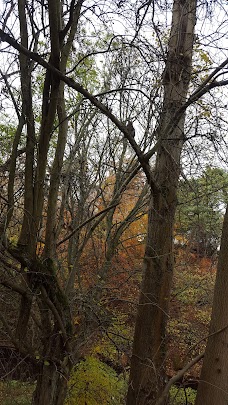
[[94, 383]]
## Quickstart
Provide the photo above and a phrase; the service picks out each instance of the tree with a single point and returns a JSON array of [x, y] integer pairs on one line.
[[199, 215], [146, 377], [213, 382]]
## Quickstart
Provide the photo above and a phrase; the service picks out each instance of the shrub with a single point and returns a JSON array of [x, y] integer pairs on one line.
[[94, 383]]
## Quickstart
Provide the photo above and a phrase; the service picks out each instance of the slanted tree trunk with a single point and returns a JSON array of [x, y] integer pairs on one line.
[[147, 364], [213, 384]]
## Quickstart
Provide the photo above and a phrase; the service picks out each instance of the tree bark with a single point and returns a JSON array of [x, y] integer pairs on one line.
[[213, 384], [51, 387], [147, 364], [56, 357], [27, 235]]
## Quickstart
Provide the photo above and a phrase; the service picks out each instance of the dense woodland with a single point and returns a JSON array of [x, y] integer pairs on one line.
[[113, 196]]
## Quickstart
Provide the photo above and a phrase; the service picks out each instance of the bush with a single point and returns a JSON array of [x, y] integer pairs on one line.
[[94, 383]]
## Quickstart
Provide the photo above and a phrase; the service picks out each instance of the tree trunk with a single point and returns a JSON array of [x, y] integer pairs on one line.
[[56, 360], [147, 364], [51, 387], [213, 385]]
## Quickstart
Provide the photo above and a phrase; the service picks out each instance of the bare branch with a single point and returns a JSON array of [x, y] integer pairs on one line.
[[14, 287], [177, 377], [86, 222], [181, 373], [103, 108], [210, 78]]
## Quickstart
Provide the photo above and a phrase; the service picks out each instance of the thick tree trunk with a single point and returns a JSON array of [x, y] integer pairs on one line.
[[213, 384], [147, 364], [147, 371], [51, 385], [56, 359]]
